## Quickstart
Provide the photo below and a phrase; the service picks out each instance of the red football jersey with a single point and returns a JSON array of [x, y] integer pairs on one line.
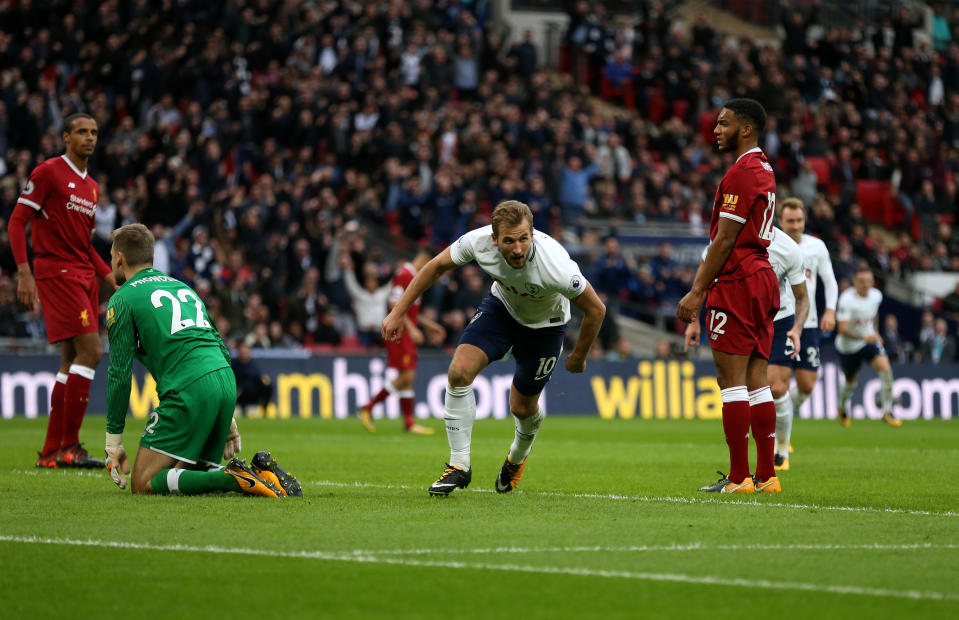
[[65, 200], [747, 194], [401, 280]]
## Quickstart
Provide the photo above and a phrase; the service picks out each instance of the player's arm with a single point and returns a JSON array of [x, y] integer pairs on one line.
[[104, 271], [413, 330], [432, 326], [425, 278], [17, 231], [719, 249], [594, 311], [801, 293], [120, 326], [830, 289]]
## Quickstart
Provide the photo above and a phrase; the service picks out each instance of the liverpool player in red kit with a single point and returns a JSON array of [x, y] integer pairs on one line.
[[59, 201], [402, 355], [743, 298]]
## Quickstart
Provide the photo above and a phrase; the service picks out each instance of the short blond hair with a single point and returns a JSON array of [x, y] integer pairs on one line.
[[793, 203], [136, 242], [510, 213]]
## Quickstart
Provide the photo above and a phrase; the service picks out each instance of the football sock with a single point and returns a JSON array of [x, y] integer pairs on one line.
[[798, 396], [188, 482], [844, 393], [762, 418], [56, 422], [885, 392], [526, 429], [75, 399], [406, 408], [460, 412], [382, 395], [736, 429], [784, 423]]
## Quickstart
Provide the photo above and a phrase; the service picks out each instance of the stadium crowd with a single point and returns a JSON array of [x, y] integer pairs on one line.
[[272, 146]]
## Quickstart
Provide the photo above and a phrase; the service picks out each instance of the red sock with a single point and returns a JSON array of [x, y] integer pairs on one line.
[[736, 428], [77, 395], [57, 418], [762, 413], [380, 397], [406, 408]]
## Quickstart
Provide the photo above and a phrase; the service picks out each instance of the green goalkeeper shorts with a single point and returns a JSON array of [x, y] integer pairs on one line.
[[191, 424]]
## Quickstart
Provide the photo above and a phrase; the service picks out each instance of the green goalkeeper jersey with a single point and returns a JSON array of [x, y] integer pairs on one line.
[[162, 322]]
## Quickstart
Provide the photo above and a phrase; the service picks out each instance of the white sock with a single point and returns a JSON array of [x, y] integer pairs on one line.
[[844, 393], [798, 397], [784, 423], [885, 392], [526, 429], [459, 416]]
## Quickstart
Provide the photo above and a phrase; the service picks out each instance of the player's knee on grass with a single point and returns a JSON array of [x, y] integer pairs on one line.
[[140, 482]]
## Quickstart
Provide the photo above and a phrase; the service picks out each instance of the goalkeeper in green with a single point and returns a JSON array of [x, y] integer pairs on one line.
[[164, 324]]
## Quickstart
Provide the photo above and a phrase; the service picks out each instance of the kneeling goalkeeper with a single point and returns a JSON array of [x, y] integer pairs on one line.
[[163, 322]]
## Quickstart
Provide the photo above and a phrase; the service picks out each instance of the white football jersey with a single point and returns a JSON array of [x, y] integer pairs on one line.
[[815, 257], [786, 261], [538, 294], [861, 313]]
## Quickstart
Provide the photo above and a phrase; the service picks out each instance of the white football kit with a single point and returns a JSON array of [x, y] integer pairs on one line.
[[787, 262], [536, 295], [816, 261], [861, 313]]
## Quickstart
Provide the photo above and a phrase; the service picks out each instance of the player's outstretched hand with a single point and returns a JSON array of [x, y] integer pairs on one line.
[[692, 336], [233, 442], [793, 335], [575, 364], [117, 462]]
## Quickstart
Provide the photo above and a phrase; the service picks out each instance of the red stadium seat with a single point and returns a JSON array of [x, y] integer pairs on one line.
[[707, 122], [878, 203], [821, 166], [657, 105], [680, 109]]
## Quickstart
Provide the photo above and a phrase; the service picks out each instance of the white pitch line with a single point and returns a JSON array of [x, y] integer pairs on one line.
[[659, 548], [659, 499], [614, 497], [521, 568]]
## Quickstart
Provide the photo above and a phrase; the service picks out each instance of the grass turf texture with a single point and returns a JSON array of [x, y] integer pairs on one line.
[[606, 523]]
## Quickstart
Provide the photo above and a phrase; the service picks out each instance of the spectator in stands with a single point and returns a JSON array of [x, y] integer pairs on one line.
[[253, 388], [574, 186], [369, 300], [941, 347], [898, 350]]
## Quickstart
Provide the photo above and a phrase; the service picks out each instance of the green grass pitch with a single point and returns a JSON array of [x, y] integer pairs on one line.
[[605, 524]]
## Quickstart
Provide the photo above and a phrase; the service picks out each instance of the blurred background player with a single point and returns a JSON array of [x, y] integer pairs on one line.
[[59, 201], [402, 356], [525, 313], [743, 297], [858, 341], [786, 261], [163, 322], [817, 264], [253, 387]]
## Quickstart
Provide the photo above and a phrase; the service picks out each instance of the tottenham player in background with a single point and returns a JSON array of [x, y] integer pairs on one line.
[[525, 313], [816, 262], [858, 341], [59, 201]]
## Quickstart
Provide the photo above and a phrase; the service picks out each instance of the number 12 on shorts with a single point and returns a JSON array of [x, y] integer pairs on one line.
[[716, 322]]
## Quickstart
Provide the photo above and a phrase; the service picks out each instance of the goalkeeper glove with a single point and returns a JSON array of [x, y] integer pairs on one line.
[[117, 461], [233, 442]]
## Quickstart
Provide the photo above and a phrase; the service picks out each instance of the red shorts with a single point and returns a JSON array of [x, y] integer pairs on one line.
[[70, 306], [401, 355], [740, 313]]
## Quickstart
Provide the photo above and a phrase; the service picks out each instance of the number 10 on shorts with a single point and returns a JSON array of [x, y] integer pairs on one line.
[[716, 322]]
